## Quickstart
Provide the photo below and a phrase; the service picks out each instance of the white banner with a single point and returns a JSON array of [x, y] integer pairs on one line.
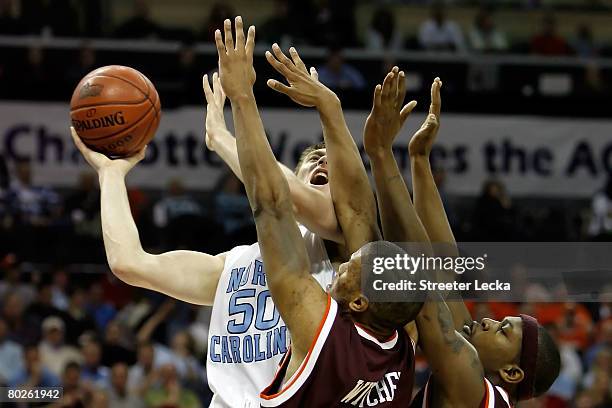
[[532, 156]]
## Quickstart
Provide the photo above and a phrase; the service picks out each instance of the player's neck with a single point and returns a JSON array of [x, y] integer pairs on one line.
[[380, 332], [509, 388]]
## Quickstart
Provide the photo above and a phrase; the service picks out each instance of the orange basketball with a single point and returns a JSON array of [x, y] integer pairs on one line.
[[115, 110]]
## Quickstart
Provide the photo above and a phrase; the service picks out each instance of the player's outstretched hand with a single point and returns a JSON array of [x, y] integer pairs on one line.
[[423, 140], [215, 121], [236, 70], [304, 86], [100, 162], [387, 115]]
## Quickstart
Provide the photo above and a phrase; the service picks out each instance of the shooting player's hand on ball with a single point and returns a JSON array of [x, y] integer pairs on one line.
[[102, 163], [387, 116], [236, 70], [423, 139]]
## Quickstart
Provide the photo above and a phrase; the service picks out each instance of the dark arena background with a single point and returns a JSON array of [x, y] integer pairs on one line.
[[524, 153]]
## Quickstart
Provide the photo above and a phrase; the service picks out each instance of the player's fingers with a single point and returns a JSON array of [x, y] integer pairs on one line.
[[229, 39], [394, 82], [208, 93], [279, 87], [297, 60], [387, 85], [377, 95], [406, 111], [220, 46], [77, 140], [281, 68], [401, 88], [250, 43], [280, 55], [239, 34], [436, 101], [314, 74], [138, 156]]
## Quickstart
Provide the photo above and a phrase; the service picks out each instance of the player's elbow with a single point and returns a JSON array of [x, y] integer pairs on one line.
[[126, 270]]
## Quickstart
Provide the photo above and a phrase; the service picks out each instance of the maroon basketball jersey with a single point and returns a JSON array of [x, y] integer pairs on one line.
[[346, 367], [494, 397]]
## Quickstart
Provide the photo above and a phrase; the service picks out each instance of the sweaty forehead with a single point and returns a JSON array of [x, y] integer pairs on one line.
[[318, 153]]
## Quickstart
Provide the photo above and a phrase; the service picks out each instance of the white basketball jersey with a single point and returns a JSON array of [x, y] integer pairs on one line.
[[247, 337]]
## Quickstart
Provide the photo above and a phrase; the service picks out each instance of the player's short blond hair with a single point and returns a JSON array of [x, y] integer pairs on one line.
[[306, 152]]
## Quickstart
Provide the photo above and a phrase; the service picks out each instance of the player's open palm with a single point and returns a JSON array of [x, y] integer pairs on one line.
[[101, 162], [387, 115], [304, 86], [423, 140], [215, 120], [236, 70]]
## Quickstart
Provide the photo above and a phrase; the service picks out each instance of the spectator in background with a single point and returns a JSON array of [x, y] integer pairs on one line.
[[42, 307], [53, 352], [21, 329], [493, 218], [36, 205], [101, 311], [231, 205], [600, 228], [59, 297], [603, 341], [440, 34], [11, 355], [92, 371], [34, 373], [601, 364], [142, 375], [78, 320], [119, 394], [9, 25], [140, 25], [219, 12], [85, 63], [58, 18], [566, 384], [189, 369], [584, 44], [179, 215], [171, 392], [6, 200], [113, 348], [335, 23], [11, 283], [548, 41], [484, 35], [337, 74], [74, 394], [382, 34], [279, 27]]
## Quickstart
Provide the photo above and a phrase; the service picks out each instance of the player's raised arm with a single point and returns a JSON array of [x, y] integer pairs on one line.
[[349, 184], [312, 207], [298, 297], [185, 275], [399, 219], [427, 201]]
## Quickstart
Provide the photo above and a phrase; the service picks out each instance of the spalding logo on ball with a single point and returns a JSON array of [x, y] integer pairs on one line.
[[115, 110]]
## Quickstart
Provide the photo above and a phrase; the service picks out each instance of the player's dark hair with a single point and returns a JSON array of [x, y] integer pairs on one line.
[[548, 363], [390, 314], [306, 152]]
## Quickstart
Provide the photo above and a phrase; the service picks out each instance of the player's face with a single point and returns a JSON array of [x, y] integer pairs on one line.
[[346, 285], [313, 170], [498, 343]]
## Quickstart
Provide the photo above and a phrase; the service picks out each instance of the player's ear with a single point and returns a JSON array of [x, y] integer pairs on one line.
[[511, 373], [359, 304]]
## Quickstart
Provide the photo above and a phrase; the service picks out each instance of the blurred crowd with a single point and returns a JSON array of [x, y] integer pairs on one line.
[[328, 23]]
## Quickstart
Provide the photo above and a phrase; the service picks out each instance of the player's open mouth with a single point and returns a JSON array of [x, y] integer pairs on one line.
[[319, 178]]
